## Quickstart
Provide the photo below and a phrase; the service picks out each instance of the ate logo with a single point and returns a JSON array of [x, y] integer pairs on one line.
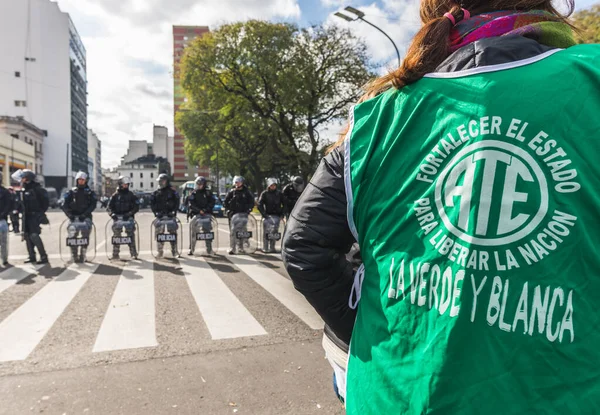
[[492, 193]]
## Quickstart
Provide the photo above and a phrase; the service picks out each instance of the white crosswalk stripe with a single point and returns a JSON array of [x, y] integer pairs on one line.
[[130, 321], [224, 315], [26, 327], [13, 275], [281, 288]]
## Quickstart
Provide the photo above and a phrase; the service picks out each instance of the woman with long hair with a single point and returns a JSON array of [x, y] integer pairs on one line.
[[468, 177]]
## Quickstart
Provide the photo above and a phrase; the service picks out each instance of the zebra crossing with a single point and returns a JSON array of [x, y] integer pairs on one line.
[[129, 320]]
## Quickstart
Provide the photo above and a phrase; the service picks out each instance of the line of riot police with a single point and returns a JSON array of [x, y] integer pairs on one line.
[[31, 203], [79, 202]]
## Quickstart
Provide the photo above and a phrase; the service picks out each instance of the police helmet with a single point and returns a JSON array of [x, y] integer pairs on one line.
[[124, 180], [81, 175], [163, 180], [298, 184], [200, 180], [238, 179]]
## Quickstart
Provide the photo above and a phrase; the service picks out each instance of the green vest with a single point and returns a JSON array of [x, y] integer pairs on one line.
[[475, 198]]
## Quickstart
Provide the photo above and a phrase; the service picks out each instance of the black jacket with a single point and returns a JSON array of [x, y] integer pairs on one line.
[[239, 201], [200, 199], [318, 237], [271, 203], [290, 197], [123, 202], [165, 201], [6, 203], [80, 202], [35, 198]]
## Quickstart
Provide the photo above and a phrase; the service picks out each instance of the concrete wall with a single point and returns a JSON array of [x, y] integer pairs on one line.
[[161, 141], [137, 149]]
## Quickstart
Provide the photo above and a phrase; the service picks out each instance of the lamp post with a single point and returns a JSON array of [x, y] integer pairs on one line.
[[12, 150], [360, 16]]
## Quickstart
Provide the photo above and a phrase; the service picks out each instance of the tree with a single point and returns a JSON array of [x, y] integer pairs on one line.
[[242, 147], [588, 22], [283, 84]]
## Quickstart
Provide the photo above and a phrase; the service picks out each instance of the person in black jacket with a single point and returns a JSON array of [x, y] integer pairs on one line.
[[239, 202], [291, 194], [35, 203], [122, 208], [79, 203], [200, 204], [16, 209], [270, 205], [6, 205], [164, 204]]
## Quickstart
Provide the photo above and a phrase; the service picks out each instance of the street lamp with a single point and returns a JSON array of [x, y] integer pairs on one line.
[[360, 16]]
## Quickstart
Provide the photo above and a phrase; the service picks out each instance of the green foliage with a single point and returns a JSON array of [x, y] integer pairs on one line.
[[588, 22], [260, 93]]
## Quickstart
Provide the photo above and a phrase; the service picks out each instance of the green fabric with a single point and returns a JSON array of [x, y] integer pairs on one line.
[[521, 204]]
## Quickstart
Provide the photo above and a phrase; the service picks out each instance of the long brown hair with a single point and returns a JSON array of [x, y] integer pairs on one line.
[[430, 46]]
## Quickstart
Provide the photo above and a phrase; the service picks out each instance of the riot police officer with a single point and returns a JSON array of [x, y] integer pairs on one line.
[[79, 203], [35, 203], [122, 208], [200, 203], [16, 208], [238, 200], [291, 194], [164, 204], [6, 205], [270, 205]]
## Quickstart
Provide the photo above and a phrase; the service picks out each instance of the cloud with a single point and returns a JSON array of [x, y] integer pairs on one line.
[[153, 91], [129, 46]]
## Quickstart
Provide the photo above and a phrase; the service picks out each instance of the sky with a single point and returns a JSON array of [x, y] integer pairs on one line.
[[130, 50]]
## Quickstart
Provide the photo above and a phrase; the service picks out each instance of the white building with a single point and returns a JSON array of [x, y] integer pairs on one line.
[[95, 153], [19, 155], [163, 144], [144, 172], [136, 149], [43, 80], [21, 130]]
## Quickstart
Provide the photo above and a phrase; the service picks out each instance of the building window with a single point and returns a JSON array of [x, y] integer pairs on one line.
[[141, 175], [17, 74], [20, 103], [152, 175], [141, 185], [131, 175], [151, 184]]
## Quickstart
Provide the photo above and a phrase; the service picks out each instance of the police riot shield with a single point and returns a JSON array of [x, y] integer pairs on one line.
[[204, 235], [77, 241], [271, 229], [165, 237], [243, 234], [125, 232]]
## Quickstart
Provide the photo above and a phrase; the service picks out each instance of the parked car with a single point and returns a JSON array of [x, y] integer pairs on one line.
[[218, 210], [53, 197]]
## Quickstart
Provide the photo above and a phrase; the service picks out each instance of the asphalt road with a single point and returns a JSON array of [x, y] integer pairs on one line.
[[213, 334]]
